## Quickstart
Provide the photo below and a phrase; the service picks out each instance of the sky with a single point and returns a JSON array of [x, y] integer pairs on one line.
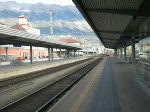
[[59, 2]]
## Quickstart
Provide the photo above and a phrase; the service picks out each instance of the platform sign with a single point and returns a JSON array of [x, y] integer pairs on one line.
[[17, 45], [3, 43]]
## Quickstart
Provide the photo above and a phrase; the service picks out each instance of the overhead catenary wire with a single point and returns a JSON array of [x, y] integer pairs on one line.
[[71, 14]]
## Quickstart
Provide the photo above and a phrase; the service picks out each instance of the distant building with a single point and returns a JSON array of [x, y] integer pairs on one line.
[[72, 41], [23, 25], [23, 51], [2, 24]]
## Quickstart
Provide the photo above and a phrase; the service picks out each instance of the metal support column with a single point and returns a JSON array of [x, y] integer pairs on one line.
[[31, 59], [68, 53], [74, 53], [118, 51], [6, 53], [52, 54], [60, 53], [93, 51], [49, 54], [121, 52], [133, 51], [125, 53], [0, 55], [115, 52]]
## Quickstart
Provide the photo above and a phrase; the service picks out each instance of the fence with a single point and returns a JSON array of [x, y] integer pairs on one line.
[[15, 62]]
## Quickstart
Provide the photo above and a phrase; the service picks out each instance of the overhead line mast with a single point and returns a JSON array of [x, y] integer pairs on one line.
[[51, 22]]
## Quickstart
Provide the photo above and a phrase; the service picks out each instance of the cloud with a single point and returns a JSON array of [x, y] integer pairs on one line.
[[59, 2]]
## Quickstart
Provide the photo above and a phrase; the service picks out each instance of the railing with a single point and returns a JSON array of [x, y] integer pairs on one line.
[[15, 62]]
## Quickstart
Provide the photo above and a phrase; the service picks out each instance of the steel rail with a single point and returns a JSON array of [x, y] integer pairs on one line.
[[30, 99], [38, 73]]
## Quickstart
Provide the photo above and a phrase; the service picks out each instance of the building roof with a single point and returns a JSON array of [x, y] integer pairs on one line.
[[12, 36], [114, 21], [22, 16], [18, 27], [70, 41], [1, 23]]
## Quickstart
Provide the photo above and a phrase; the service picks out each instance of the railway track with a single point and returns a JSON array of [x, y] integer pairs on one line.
[[38, 73], [43, 98]]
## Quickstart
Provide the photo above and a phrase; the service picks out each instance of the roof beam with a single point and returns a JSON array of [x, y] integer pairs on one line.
[[109, 39], [9, 38], [129, 37], [144, 8], [142, 11], [114, 32], [118, 32], [110, 42], [114, 11]]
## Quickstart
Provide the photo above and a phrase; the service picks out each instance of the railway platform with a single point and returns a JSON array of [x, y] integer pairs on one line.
[[110, 87], [8, 72]]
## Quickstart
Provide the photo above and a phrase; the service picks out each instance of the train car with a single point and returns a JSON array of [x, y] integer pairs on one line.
[[107, 53]]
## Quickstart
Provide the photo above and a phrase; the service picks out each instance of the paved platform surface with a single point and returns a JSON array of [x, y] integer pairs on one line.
[[9, 72], [109, 87]]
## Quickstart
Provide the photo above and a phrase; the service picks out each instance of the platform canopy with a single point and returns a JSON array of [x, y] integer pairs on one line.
[[114, 20], [12, 36]]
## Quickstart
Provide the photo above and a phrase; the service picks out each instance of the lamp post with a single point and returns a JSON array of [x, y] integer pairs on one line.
[[93, 48], [85, 46]]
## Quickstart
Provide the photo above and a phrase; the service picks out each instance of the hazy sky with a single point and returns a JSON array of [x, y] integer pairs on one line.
[[60, 2]]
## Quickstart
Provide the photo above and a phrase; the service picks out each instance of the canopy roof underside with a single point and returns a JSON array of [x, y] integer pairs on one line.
[[113, 19]]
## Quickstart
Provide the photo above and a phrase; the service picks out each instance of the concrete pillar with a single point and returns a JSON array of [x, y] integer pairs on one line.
[[49, 54], [52, 54], [121, 51], [117, 52], [133, 51], [125, 53], [6, 53], [60, 53], [31, 59]]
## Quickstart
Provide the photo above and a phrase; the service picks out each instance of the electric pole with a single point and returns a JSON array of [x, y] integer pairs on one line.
[[51, 22]]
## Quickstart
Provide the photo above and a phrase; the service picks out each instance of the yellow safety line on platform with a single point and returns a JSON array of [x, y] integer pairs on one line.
[[82, 96]]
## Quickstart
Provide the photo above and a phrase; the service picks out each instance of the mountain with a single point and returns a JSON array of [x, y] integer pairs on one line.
[[39, 11], [66, 19]]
